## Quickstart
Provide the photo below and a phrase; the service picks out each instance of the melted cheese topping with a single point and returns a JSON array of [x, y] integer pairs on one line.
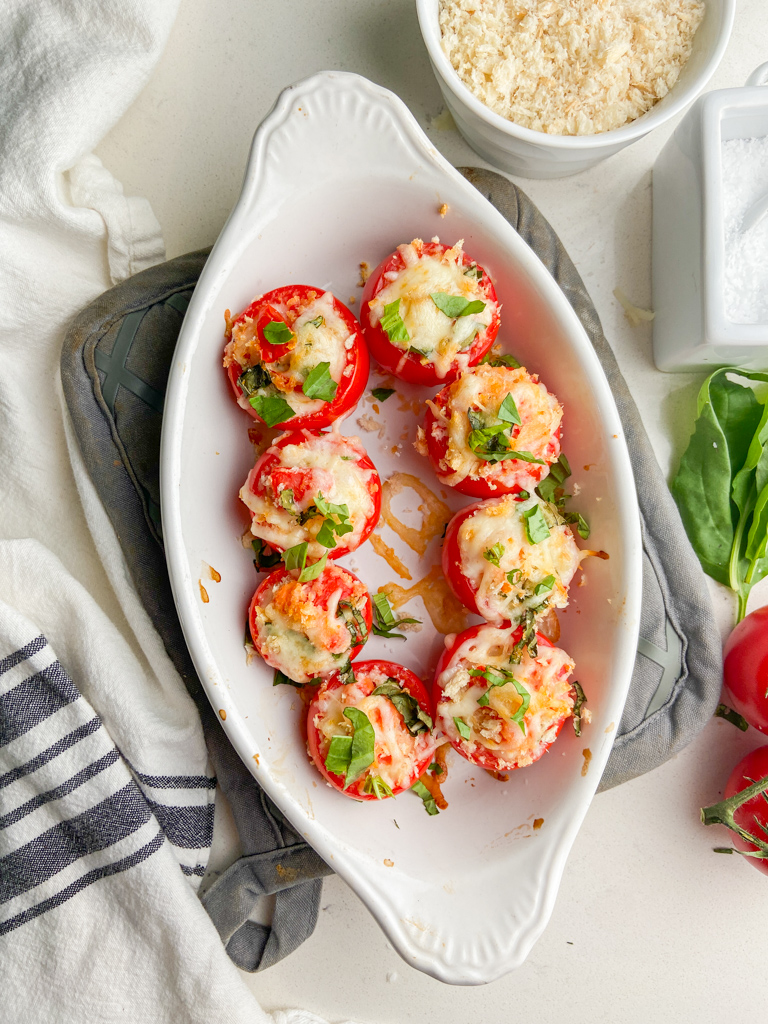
[[342, 481], [397, 753], [492, 727], [500, 521], [483, 389], [440, 339], [300, 637], [328, 342]]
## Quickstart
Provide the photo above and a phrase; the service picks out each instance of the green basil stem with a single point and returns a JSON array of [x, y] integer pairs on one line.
[[723, 813], [736, 585]]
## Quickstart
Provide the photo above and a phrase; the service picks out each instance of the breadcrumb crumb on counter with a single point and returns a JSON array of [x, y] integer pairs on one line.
[[569, 67]]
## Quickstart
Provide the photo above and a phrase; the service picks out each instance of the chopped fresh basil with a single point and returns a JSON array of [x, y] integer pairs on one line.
[[336, 524], [346, 673], [525, 700], [500, 677], [527, 640], [536, 528], [514, 576], [581, 700], [311, 572], [455, 306], [273, 409], [467, 342], [296, 557], [483, 700], [545, 586], [582, 526], [382, 394], [253, 378], [508, 411], [392, 323], [415, 719], [474, 273], [462, 726], [376, 785], [319, 383], [522, 495], [354, 620], [435, 768], [317, 322], [281, 678], [493, 359], [430, 806], [309, 513], [277, 332], [363, 740], [265, 558], [384, 621], [339, 754], [494, 554], [286, 499]]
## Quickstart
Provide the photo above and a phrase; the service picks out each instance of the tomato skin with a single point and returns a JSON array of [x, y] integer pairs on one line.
[[754, 812], [389, 356], [349, 390], [319, 591], [482, 757], [268, 469], [409, 682], [745, 669], [484, 487], [463, 588]]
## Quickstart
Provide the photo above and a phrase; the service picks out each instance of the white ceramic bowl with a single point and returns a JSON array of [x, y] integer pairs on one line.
[[465, 894], [533, 154]]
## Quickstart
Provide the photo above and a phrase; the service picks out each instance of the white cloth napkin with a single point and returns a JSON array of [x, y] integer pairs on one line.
[[106, 797]]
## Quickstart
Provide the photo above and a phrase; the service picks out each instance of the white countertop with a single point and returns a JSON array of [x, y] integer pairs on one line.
[[649, 925]]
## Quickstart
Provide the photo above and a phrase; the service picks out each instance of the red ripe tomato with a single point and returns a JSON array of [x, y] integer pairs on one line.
[[752, 815], [746, 669], [538, 435], [298, 470], [331, 614], [289, 363], [479, 724], [404, 363], [399, 757]]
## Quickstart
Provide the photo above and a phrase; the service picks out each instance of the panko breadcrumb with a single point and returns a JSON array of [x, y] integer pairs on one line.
[[569, 67]]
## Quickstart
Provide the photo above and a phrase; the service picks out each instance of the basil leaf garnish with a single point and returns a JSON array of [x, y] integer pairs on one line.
[[430, 806], [286, 499], [281, 678], [462, 726], [500, 677], [311, 572], [336, 524], [317, 322], [296, 557], [545, 586], [527, 641], [384, 621], [455, 306], [338, 755], [582, 526], [277, 332], [382, 394], [474, 273], [415, 719], [392, 323], [536, 528], [494, 554], [265, 558], [319, 383], [253, 378], [508, 411], [354, 620], [273, 409], [581, 700], [435, 768], [363, 741], [376, 785]]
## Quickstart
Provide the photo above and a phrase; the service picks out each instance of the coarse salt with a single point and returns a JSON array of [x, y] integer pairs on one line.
[[744, 164]]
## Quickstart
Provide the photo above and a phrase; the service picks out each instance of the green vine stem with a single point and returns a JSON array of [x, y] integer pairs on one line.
[[723, 814]]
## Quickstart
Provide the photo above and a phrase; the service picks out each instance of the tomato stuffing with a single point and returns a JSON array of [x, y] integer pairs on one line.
[[296, 358], [429, 311], [371, 736]]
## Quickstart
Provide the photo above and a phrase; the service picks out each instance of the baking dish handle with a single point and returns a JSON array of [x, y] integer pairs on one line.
[[759, 76]]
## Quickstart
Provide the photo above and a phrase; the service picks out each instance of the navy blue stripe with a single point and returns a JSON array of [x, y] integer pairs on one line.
[[115, 818], [34, 700], [81, 883], [88, 729], [56, 794], [190, 828], [199, 870], [21, 655], [175, 781]]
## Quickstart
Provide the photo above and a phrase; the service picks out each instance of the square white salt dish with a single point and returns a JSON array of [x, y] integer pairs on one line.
[[706, 271]]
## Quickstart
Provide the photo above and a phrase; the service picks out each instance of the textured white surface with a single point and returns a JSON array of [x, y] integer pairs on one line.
[[662, 928]]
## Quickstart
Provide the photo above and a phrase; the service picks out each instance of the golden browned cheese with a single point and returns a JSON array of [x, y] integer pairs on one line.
[[435, 513], [388, 554], [447, 613]]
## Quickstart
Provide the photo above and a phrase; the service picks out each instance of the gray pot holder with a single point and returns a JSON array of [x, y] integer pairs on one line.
[[115, 365]]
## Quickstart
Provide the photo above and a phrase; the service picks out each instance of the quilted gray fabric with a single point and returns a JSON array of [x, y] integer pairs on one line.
[[115, 364]]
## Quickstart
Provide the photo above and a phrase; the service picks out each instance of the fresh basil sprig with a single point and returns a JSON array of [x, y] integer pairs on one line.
[[721, 487], [415, 718], [384, 621]]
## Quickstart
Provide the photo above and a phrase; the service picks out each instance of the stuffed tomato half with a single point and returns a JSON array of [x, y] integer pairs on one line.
[[496, 430], [502, 695], [296, 357], [429, 311], [307, 630], [313, 495], [369, 731], [508, 555]]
